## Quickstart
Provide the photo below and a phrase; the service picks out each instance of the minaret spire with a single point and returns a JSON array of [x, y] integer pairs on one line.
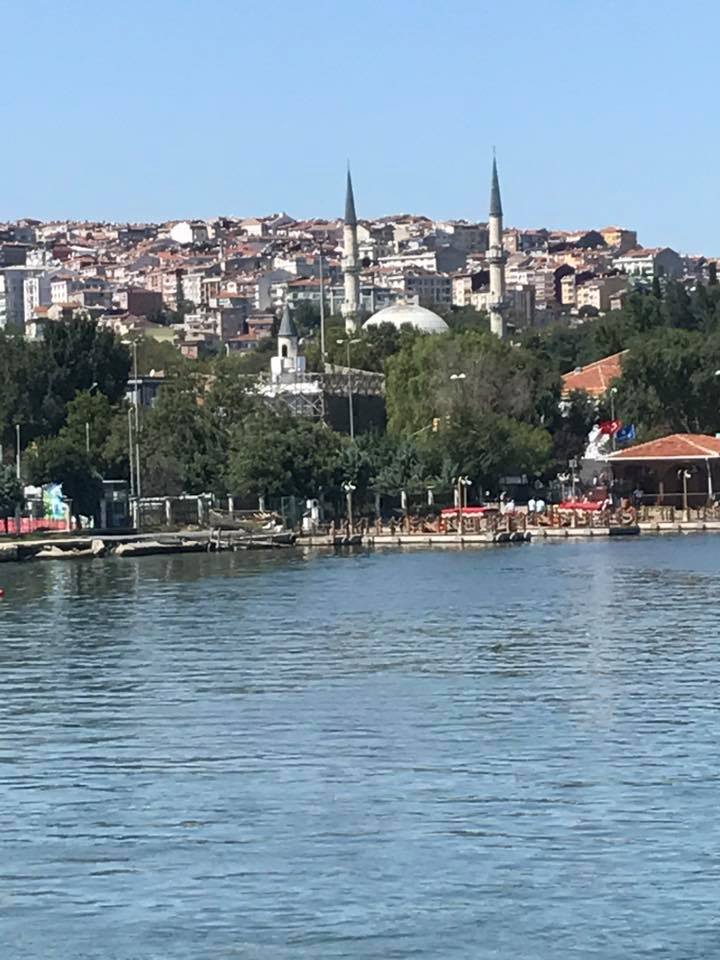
[[350, 215], [496, 257], [495, 201], [351, 267]]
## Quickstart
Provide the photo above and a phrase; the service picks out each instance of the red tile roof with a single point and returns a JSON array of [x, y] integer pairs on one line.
[[595, 378], [678, 446]]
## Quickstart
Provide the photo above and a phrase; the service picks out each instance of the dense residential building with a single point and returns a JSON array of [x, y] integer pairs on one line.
[[226, 281], [650, 263]]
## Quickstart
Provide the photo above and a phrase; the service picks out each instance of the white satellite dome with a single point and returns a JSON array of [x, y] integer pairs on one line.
[[402, 312]]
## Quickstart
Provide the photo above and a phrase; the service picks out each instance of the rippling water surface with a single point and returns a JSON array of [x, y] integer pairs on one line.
[[505, 753]]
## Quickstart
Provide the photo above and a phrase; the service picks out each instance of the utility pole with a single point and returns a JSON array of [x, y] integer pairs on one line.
[[347, 341], [351, 413], [130, 452], [138, 485], [322, 311]]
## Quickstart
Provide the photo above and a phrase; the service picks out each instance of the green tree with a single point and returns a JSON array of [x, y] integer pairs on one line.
[[78, 355], [669, 385], [275, 453], [439, 376], [179, 449], [158, 355], [59, 460], [401, 468], [462, 318], [489, 447], [11, 493], [89, 420], [371, 350], [22, 388]]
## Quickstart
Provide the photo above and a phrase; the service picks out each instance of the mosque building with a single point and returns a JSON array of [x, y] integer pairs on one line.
[[407, 311]]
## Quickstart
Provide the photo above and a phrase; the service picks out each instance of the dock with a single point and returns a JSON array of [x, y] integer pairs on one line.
[[134, 544]]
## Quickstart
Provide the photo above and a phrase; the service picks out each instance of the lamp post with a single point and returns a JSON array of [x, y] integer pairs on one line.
[[130, 452], [686, 474], [462, 490], [563, 479], [18, 458], [136, 404], [457, 378], [138, 485], [348, 488], [347, 341], [613, 391], [573, 467], [87, 422]]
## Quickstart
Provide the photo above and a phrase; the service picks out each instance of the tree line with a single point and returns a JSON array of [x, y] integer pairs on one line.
[[458, 403]]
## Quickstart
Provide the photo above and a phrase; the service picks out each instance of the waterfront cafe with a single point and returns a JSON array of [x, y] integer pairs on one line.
[[669, 468]]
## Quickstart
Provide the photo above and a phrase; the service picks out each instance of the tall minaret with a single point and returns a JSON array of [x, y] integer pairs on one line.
[[351, 269], [496, 258]]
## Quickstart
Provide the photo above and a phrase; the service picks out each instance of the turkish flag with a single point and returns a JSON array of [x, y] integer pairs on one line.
[[610, 427]]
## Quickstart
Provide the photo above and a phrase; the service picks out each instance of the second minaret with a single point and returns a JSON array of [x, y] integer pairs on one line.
[[496, 258], [351, 267]]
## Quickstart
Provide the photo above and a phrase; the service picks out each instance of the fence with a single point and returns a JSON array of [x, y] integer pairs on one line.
[[32, 525], [158, 512]]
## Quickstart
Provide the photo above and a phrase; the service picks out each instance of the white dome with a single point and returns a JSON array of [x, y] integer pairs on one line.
[[400, 313]]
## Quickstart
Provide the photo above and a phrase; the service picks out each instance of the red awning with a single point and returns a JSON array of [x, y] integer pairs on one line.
[[467, 511], [589, 505]]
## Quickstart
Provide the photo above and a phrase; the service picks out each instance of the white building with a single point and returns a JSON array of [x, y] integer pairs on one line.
[[650, 262], [15, 277], [36, 293]]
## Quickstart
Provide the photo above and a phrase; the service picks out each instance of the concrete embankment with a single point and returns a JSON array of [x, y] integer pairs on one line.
[[139, 545], [201, 541]]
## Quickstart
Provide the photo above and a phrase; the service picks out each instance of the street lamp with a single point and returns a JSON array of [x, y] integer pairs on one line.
[[458, 376], [130, 452], [347, 341], [613, 391], [348, 489], [573, 464], [136, 404], [462, 491], [686, 474], [563, 479]]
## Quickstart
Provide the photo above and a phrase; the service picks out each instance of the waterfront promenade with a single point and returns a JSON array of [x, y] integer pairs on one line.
[[512, 530]]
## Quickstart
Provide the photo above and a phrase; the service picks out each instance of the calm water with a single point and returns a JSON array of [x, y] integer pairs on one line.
[[505, 753]]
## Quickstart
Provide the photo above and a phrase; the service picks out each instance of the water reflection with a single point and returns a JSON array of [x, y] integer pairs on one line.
[[459, 753]]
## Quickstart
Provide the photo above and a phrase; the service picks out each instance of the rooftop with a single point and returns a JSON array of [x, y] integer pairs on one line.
[[594, 378], [677, 446]]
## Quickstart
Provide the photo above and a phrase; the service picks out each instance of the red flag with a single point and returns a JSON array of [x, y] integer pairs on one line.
[[610, 427]]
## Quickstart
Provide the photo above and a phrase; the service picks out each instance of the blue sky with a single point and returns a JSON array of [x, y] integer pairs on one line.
[[601, 112]]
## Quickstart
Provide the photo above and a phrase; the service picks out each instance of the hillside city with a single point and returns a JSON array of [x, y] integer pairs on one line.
[[217, 285], [313, 360]]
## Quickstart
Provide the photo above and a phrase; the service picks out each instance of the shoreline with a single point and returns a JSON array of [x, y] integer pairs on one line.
[[87, 546]]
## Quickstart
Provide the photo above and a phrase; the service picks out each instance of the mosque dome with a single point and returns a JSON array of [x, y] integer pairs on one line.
[[402, 312]]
